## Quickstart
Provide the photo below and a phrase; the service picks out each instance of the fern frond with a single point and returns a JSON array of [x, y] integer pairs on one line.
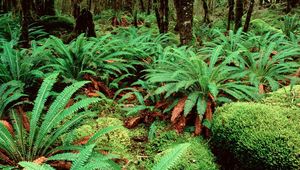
[[169, 159]]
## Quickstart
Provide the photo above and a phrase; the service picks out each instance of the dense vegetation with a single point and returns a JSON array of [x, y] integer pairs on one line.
[[148, 84]]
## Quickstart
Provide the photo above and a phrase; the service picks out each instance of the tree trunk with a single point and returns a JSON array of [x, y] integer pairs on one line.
[[206, 12], [85, 24], [76, 8], [288, 6], [162, 15], [43, 7], [49, 7], [24, 39], [184, 12], [230, 13], [149, 7], [238, 14], [248, 18], [142, 6]]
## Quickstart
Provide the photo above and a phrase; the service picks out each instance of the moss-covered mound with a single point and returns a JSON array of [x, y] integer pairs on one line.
[[198, 155], [116, 142], [257, 136], [287, 97]]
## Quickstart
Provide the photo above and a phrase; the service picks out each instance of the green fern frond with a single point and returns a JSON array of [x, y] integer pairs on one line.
[[169, 159]]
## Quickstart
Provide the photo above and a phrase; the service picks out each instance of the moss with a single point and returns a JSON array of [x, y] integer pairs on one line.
[[115, 142], [287, 97], [257, 136], [198, 155]]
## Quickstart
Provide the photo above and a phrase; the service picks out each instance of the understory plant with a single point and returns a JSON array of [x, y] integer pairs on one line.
[[10, 92], [37, 134], [86, 158], [269, 68], [199, 84], [84, 56], [17, 65]]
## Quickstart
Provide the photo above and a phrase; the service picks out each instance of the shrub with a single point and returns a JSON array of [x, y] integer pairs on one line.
[[257, 136]]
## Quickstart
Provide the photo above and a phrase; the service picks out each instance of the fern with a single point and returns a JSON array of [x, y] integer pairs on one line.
[[14, 65], [169, 159], [45, 126], [9, 93], [34, 166]]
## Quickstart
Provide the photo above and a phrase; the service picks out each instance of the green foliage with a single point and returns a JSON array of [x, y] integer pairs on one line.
[[196, 156], [264, 67], [183, 72], [87, 158], [290, 24], [257, 136], [116, 142], [46, 127], [16, 65], [9, 27], [83, 56], [10, 93], [287, 97], [260, 26], [34, 166], [171, 157]]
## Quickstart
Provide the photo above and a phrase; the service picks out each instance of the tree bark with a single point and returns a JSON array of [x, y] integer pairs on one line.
[[184, 12], [142, 6], [76, 8], [24, 39], [238, 14], [149, 7], [162, 15], [85, 24], [206, 12], [248, 17], [230, 13]]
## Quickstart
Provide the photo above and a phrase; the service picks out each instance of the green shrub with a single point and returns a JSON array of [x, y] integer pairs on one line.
[[257, 136]]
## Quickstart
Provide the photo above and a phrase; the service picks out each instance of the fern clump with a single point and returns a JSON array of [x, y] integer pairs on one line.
[[39, 135]]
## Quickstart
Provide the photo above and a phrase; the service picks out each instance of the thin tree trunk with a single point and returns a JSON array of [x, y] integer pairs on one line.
[[149, 7], [238, 14], [206, 12], [162, 15], [184, 11], [24, 40], [76, 8], [230, 13], [248, 18], [49, 7], [142, 5]]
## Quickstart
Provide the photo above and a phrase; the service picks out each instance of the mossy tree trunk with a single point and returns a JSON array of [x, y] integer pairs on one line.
[[184, 12]]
